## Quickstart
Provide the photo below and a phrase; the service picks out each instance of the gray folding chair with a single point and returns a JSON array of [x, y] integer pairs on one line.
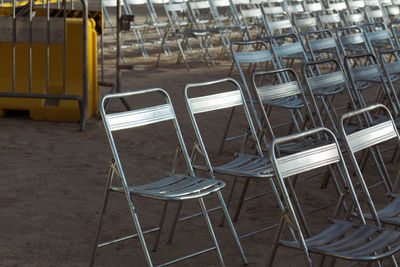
[[174, 187], [343, 239], [224, 96], [325, 79], [281, 98], [330, 19], [366, 67], [250, 56], [370, 139], [182, 28]]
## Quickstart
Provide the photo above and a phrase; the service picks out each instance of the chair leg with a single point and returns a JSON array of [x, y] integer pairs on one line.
[[275, 243], [246, 185], [102, 212], [233, 230], [138, 228], [172, 232], [210, 229], [161, 226], [229, 199]]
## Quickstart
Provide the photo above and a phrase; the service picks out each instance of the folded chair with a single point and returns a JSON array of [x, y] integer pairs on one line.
[[224, 96], [341, 238], [370, 139], [173, 187]]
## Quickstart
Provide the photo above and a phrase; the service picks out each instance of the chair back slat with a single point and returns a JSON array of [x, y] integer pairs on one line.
[[364, 72], [278, 90], [307, 160], [139, 117], [327, 80], [393, 67], [273, 10], [253, 56], [288, 49], [281, 24], [371, 136], [378, 35], [355, 38], [322, 44], [215, 102], [252, 13]]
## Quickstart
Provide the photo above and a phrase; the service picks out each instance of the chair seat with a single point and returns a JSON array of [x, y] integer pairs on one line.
[[285, 102], [389, 214], [245, 166], [348, 240], [176, 187], [332, 90]]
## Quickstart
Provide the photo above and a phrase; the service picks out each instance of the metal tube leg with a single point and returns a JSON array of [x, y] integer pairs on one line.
[[246, 185], [210, 229], [103, 210], [161, 226], [275, 243], [172, 232], [233, 230], [229, 199]]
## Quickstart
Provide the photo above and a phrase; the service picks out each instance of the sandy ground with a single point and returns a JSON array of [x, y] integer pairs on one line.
[[53, 179]]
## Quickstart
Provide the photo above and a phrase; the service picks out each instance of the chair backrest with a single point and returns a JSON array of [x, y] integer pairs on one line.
[[327, 155], [378, 36], [322, 45], [278, 23], [220, 94], [353, 16], [337, 5], [286, 45], [363, 67], [305, 21], [329, 75], [313, 6], [330, 19], [369, 138], [350, 38], [293, 6], [254, 55], [178, 15], [145, 116], [273, 86]]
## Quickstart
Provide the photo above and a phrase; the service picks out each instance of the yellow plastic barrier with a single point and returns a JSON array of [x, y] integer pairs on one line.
[[55, 110]]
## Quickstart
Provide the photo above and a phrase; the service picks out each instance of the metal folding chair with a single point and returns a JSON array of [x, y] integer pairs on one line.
[[182, 28], [370, 139], [224, 97], [390, 64], [281, 97], [343, 239], [365, 67], [325, 79], [353, 16], [174, 187], [378, 37], [330, 19], [251, 56], [278, 23]]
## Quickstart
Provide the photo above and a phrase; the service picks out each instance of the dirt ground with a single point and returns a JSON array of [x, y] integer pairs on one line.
[[53, 177]]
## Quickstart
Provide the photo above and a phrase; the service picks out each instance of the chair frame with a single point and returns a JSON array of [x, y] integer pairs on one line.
[[174, 187]]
